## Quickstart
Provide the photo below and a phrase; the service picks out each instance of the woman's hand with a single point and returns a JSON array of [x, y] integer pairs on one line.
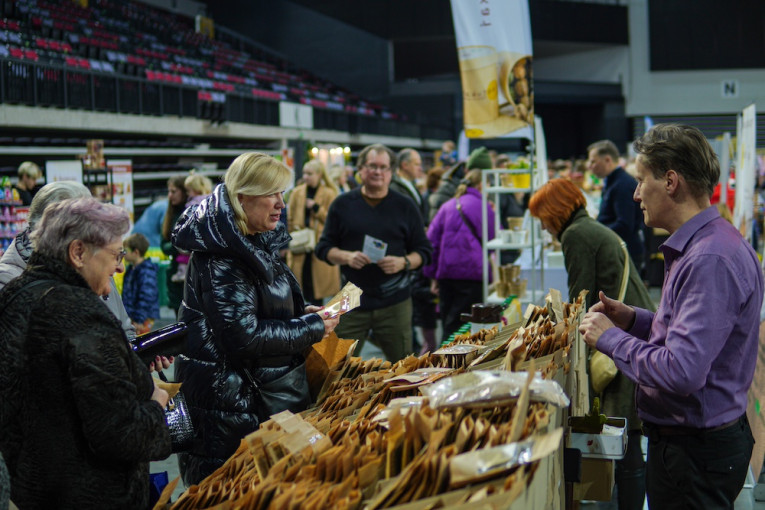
[[161, 363], [309, 202], [160, 396], [313, 308], [330, 323], [434, 287]]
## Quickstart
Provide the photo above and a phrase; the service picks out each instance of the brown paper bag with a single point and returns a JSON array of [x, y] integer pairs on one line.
[[322, 357]]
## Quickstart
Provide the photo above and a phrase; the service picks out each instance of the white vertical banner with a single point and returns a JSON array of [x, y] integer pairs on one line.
[[495, 58], [540, 149], [746, 172]]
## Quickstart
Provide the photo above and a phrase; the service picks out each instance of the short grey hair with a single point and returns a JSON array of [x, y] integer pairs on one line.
[[86, 219], [50, 194], [405, 155]]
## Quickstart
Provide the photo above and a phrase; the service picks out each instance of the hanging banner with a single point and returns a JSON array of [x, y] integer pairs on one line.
[[494, 52], [122, 184], [746, 174]]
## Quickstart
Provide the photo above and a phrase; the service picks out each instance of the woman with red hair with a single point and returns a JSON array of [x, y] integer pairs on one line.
[[595, 261]]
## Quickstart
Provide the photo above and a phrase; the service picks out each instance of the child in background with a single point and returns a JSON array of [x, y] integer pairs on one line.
[[198, 187], [139, 287]]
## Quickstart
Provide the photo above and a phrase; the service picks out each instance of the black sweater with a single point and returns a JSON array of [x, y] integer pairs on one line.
[[394, 220]]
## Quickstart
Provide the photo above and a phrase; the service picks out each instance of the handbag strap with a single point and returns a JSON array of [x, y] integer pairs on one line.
[[29, 285], [625, 272], [464, 218]]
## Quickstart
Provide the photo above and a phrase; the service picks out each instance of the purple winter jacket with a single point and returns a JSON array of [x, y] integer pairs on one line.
[[456, 251]]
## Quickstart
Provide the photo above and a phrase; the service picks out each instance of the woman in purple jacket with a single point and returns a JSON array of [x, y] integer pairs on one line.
[[455, 233]]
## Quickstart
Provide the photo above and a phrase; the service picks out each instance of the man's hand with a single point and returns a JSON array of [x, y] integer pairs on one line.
[[357, 259], [594, 324], [622, 316], [392, 264]]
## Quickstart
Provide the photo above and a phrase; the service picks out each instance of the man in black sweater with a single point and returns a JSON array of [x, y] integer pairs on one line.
[[378, 238]]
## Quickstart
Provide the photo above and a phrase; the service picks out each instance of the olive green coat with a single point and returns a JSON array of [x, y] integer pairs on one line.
[[595, 261]]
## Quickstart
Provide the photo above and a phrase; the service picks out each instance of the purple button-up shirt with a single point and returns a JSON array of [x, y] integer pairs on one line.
[[693, 360]]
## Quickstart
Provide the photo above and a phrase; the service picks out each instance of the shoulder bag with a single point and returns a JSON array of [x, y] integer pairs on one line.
[[602, 368], [303, 241], [289, 392]]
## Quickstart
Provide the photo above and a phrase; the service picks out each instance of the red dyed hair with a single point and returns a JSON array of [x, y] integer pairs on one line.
[[554, 202]]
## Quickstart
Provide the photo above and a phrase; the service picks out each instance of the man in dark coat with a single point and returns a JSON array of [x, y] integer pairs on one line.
[[617, 209]]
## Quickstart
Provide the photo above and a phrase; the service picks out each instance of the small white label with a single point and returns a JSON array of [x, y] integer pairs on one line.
[[729, 88]]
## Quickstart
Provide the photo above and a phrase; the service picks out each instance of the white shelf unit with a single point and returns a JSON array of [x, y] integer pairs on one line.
[[489, 180]]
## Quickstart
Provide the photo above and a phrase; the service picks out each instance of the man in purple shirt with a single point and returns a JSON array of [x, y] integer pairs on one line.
[[693, 360]]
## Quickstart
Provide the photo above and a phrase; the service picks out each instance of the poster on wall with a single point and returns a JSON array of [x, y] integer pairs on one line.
[[746, 175], [495, 59], [122, 184]]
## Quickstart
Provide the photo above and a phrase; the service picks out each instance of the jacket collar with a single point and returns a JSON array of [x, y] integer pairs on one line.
[[44, 267], [578, 213], [211, 228]]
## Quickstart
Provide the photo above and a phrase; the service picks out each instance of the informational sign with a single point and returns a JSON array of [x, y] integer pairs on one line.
[[69, 170], [122, 184], [746, 173], [495, 59]]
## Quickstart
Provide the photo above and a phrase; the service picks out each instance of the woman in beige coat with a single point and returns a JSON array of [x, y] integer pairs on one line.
[[308, 206]]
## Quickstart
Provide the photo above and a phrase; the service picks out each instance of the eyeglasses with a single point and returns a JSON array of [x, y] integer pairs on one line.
[[119, 255], [374, 168]]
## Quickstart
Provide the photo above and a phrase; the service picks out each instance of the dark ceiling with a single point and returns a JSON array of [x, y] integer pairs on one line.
[[422, 32]]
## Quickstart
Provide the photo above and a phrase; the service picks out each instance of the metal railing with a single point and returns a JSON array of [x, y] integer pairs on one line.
[[58, 86]]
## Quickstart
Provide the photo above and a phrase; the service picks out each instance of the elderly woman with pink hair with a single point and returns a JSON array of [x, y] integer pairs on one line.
[[80, 415]]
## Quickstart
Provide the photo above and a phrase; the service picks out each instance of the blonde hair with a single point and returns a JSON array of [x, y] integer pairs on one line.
[[198, 183], [29, 169], [471, 180], [254, 174], [318, 166]]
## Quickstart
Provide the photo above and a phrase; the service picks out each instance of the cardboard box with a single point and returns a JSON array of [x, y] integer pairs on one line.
[[611, 443], [597, 480]]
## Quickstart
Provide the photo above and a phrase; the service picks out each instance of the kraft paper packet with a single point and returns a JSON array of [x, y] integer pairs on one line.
[[322, 357], [344, 301], [172, 389], [487, 463]]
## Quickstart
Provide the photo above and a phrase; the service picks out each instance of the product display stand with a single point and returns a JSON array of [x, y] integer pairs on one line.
[[493, 185]]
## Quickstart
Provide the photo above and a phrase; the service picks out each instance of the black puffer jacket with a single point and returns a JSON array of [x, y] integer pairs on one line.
[[244, 308], [77, 423]]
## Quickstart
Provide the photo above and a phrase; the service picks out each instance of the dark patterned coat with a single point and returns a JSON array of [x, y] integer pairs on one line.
[[245, 310], [78, 424]]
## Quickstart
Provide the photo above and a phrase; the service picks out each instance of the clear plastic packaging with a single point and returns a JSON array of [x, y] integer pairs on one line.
[[489, 388]]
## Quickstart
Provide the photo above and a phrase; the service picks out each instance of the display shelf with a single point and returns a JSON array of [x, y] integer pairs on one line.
[[530, 296], [489, 189], [502, 189], [497, 244]]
